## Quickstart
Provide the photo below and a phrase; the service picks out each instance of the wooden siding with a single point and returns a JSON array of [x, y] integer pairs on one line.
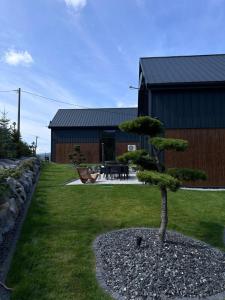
[[90, 151], [83, 136], [122, 147], [206, 152]]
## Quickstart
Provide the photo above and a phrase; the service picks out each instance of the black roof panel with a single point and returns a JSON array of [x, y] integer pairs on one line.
[[93, 117], [183, 69]]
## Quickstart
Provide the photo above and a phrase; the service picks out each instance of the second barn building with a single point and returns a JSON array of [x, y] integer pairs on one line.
[[187, 93], [96, 131]]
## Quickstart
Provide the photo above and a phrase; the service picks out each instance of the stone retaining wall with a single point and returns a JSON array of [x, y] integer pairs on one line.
[[17, 180]]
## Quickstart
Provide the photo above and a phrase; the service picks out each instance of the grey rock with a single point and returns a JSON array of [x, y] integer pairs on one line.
[[7, 220], [13, 207], [27, 180], [25, 183], [17, 190], [181, 268], [4, 292]]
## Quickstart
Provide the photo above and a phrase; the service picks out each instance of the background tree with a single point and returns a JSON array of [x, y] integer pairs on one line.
[[20, 148], [11, 143], [152, 168], [77, 157], [5, 137]]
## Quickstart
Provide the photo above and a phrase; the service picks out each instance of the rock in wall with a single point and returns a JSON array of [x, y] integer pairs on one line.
[[17, 179], [13, 200]]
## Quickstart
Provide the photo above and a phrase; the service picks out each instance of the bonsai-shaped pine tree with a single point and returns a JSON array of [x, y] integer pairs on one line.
[[77, 157], [152, 169]]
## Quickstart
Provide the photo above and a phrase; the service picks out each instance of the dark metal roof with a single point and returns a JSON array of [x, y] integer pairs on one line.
[[183, 69], [93, 117]]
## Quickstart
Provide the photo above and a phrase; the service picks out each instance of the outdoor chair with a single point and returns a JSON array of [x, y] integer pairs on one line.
[[86, 175]]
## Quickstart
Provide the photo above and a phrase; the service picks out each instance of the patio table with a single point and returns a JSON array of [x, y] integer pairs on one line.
[[116, 171]]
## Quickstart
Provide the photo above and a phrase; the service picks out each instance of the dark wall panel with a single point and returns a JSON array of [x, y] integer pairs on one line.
[[143, 101], [126, 137], [206, 152], [75, 135], [190, 108], [88, 135]]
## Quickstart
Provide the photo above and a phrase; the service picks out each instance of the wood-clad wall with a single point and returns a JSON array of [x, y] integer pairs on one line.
[[206, 152], [121, 148], [64, 139], [90, 151]]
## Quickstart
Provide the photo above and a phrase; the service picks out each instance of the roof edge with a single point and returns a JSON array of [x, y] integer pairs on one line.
[[101, 108], [143, 72], [175, 56], [187, 84], [84, 126]]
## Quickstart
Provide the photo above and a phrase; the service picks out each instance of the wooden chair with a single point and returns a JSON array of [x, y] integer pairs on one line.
[[85, 175]]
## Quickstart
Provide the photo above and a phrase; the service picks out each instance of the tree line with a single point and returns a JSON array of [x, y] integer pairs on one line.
[[11, 143]]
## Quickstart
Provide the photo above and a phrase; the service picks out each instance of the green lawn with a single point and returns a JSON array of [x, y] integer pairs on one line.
[[54, 258]]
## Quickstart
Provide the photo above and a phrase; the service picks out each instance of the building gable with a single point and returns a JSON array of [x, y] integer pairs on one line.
[[183, 70]]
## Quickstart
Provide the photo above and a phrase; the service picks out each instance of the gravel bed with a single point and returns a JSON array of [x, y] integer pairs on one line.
[[181, 268]]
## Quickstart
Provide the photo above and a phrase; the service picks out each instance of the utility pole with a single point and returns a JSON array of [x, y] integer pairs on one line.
[[36, 145], [18, 120]]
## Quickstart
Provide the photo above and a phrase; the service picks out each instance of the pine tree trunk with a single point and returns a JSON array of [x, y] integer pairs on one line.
[[164, 215]]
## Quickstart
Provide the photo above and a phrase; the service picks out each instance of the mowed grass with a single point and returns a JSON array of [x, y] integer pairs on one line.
[[54, 258]]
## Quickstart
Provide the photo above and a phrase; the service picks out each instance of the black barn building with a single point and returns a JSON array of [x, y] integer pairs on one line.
[[95, 130], [187, 93]]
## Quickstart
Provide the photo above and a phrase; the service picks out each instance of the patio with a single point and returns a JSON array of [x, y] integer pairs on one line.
[[132, 179]]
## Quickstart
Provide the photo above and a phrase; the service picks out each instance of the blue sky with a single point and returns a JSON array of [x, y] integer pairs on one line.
[[86, 51]]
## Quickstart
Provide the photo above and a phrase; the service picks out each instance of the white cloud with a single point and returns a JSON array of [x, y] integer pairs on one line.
[[76, 4], [13, 57], [140, 3], [120, 49], [120, 104]]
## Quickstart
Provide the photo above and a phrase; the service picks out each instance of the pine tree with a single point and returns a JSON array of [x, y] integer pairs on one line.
[[11, 144], [5, 137], [20, 148], [152, 168], [77, 157]]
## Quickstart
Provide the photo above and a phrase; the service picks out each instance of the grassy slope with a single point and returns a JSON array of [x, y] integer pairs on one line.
[[54, 258]]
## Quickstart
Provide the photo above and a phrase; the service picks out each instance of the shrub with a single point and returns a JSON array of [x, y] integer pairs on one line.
[[186, 174]]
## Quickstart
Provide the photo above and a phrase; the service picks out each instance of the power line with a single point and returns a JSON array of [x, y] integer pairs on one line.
[[52, 99], [69, 103], [8, 91], [64, 102]]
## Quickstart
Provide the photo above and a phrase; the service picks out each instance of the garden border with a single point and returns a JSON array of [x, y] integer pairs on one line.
[[14, 236]]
